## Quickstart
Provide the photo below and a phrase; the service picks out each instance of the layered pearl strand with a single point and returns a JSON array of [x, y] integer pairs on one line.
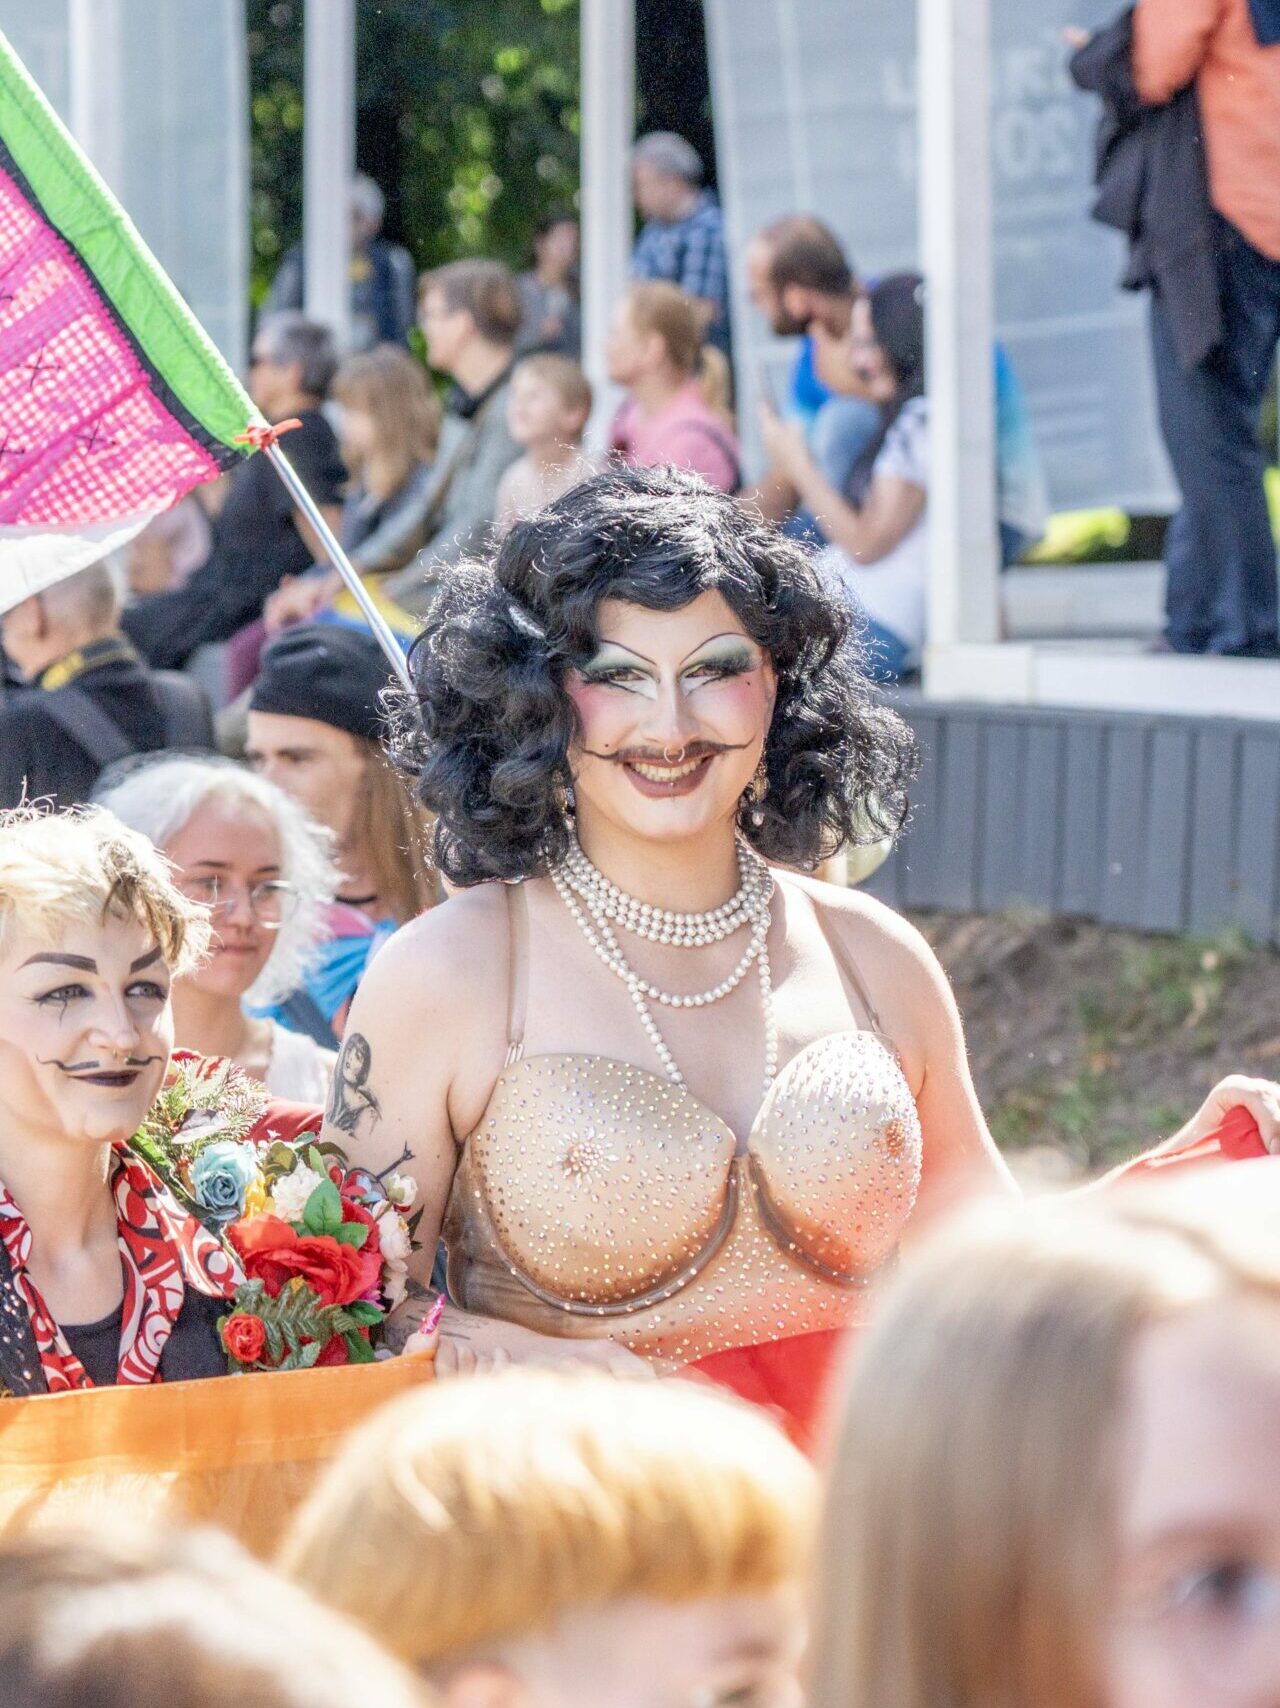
[[596, 905]]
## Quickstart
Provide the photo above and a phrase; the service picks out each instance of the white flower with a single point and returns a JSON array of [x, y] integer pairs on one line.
[[402, 1189], [393, 1235], [290, 1193], [395, 1283]]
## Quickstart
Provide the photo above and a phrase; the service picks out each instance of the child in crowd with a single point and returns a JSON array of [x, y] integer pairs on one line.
[[547, 415], [1055, 1484], [538, 1537]]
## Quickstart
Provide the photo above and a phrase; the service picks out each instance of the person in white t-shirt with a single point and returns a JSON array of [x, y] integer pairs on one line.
[[878, 523], [242, 848]]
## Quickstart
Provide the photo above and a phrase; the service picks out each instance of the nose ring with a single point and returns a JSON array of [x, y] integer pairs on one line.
[[679, 758]]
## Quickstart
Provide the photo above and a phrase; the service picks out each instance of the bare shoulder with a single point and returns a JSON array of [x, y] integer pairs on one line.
[[450, 962], [873, 933]]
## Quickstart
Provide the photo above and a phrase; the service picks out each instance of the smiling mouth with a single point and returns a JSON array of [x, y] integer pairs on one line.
[[111, 1081], [661, 781]]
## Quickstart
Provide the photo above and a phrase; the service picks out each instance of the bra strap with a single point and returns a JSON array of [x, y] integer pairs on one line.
[[847, 966], [517, 969]]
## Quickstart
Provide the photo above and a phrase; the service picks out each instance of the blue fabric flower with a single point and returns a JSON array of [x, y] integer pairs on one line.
[[220, 1177]]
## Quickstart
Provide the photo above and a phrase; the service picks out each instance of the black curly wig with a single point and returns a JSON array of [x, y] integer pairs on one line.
[[488, 732]]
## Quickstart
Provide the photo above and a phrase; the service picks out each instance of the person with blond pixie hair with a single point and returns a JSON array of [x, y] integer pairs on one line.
[[538, 1537], [1055, 1485], [182, 1621], [103, 1277]]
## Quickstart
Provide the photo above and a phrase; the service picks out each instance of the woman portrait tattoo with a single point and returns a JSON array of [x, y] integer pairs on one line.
[[353, 1108]]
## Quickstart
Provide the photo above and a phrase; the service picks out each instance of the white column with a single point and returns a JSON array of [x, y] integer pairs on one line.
[[96, 118], [329, 152], [956, 250], [608, 132]]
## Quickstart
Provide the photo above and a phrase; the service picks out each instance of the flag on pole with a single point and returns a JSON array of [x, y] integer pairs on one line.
[[114, 402]]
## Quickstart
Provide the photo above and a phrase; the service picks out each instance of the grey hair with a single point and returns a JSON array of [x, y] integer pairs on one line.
[[670, 154], [91, 597], [291, 337], [160, 795], [368, 200]]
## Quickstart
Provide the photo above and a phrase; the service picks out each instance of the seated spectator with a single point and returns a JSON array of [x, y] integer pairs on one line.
[[121, 1620], [259, 538], [547, 414], [382, 275], [537, 1539], [390, 434], [550, 316], [242, 848], [799, 278], [90, 700], [469, 314], [683, 237], [171, 546], [877, 521], [654, 346], [1054, 1483], [315, 725]]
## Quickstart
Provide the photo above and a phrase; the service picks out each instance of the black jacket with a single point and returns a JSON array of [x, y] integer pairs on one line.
[[1153, 184], [134, 710]]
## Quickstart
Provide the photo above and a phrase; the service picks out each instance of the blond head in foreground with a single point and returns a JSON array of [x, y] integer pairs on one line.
[[1055, 1483], [542, 1537], [183, 1621]]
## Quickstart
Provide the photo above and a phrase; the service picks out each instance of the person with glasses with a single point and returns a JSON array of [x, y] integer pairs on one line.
[[1055, 1479], [244, 850]]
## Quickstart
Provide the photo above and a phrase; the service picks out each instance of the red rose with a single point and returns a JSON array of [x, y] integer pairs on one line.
[[273, 1254], [334, 1353], [245, 1337], [353, 1212]]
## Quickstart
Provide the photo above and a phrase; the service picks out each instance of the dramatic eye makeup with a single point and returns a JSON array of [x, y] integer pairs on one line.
[[614, 667], [722, 657]]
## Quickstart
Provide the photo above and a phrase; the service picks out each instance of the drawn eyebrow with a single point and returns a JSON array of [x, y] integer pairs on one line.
[[729, 634], [145, 961], [82, 963], [619, 647]]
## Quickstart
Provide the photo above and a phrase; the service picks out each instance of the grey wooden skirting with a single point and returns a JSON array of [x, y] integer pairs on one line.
[[1156, 823]]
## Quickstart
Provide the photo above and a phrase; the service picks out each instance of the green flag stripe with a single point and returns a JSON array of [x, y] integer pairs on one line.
[[80, 207]]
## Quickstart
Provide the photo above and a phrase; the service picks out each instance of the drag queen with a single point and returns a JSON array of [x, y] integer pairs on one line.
[[664, 1096], [103, 1278]]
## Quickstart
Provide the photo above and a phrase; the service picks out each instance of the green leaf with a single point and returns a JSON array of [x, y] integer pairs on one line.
[[365, 1313], [358, 1348], [353, 1234], [315, 1161], [323, 1214]]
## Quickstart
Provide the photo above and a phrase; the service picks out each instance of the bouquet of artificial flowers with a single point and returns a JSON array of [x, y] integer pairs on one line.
[[324, 1247]]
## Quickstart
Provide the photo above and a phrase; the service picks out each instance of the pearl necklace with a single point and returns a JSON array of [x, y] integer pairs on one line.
[[585, 890]]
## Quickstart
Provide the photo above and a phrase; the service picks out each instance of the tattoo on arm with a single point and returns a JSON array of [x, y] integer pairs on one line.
[[352, 1107]]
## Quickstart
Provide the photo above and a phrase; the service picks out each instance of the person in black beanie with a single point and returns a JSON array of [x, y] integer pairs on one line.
[[315, 727]]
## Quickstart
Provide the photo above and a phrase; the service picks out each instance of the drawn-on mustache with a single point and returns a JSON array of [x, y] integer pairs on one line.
[[664, 756], [97, 1067]]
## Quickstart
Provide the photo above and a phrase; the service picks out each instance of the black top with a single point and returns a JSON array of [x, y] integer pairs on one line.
[[191, 1352], [37, 751], [255, 545]]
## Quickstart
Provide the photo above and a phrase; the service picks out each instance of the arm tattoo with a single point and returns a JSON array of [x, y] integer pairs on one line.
[[353, 1108]]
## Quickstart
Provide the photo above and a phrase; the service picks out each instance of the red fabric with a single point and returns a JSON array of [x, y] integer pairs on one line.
[[163, 1251], [791, 1377], [1235, 1139]]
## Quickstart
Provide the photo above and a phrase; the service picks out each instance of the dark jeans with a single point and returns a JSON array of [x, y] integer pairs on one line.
[[1221, 557]]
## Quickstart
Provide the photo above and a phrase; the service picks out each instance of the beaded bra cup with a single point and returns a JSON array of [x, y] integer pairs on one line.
[[597, 1198]]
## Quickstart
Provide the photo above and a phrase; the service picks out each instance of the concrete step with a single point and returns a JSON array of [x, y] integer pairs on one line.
[[1083, 601]]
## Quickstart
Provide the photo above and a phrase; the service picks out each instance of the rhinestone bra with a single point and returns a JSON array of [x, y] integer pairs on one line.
[[596, 1198]]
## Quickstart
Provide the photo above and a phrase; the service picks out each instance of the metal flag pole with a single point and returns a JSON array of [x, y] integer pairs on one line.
[[341, 562]]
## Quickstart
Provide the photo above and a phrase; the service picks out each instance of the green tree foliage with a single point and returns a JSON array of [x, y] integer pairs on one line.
[[467, 116]]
